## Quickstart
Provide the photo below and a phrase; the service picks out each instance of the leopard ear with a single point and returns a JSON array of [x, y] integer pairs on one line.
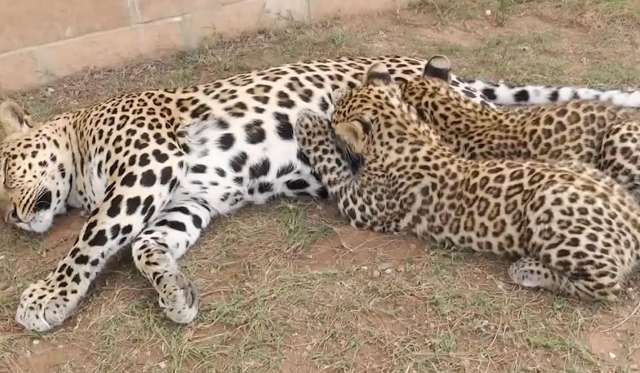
[[350, 136], [378, 74], [13, 118], [438, 67]]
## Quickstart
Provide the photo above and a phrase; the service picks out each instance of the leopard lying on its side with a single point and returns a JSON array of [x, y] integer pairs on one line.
[[573, 229], [597, 134]]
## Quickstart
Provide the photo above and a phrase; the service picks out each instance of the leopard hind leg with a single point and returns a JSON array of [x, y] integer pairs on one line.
[[531, 272]]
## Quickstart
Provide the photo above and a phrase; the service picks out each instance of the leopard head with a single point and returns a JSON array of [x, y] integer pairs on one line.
[[371, 121], [33, 182]]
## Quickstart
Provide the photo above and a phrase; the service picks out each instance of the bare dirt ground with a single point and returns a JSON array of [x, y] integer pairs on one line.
[[289, 287]]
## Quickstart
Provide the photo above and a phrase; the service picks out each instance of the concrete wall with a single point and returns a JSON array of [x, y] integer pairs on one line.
[[41, 40]]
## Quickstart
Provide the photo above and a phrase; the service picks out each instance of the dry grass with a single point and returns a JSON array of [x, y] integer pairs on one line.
[[288, 287]]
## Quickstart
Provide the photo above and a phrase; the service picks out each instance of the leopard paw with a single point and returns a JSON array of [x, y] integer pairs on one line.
[[178, 297]]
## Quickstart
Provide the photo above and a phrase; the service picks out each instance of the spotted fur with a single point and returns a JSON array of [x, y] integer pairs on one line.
[[507, 94], [152, 169], [597, 134], [569, 228]]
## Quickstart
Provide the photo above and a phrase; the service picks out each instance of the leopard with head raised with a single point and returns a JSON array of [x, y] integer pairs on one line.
[[570, 228], [598, 134], [152, 169]]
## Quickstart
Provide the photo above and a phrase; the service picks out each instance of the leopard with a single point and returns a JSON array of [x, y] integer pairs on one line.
[[599, 134], [152, 169], [566, 227]]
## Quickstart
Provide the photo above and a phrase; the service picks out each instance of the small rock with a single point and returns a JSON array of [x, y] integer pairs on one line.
[[487, 12], [162, 365], [388, 270], [364, 268], [482, 325], [376, 274], [612, 355], [36, 342]]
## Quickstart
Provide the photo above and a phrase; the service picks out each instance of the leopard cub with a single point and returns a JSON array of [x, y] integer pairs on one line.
[[598, 134], [569, 228]]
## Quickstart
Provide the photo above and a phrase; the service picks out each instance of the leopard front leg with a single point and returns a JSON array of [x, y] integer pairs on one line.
[[317, 141], [157, 248], [361, 199], [130, 203]]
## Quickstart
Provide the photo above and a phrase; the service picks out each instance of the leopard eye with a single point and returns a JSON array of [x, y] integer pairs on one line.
[[365, 125]]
